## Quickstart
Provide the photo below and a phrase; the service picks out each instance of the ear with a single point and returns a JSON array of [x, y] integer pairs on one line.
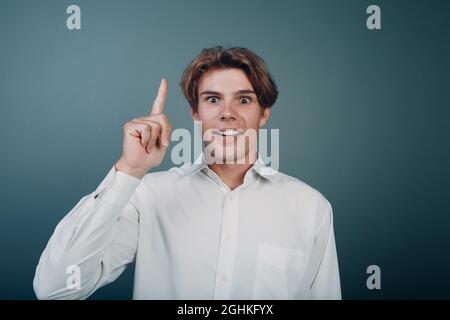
[[194, 114], [265, 114]]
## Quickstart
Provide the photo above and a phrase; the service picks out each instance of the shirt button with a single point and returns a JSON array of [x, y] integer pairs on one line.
[[224, 278], [228, 236]]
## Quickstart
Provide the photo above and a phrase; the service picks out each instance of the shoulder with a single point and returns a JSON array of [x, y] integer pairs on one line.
[[159, 177], [167, 177], [303, 193], [298, 186]]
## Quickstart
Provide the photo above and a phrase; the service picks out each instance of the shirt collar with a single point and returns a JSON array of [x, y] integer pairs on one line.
[[259, 167]]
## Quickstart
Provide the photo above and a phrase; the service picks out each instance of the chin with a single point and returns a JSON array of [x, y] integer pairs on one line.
[[230, 153]]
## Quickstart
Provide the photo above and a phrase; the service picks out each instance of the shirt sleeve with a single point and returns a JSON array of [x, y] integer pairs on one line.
[[93, 243], [323, 280]]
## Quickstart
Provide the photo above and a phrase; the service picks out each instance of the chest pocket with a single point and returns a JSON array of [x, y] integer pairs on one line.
[[279, 271]]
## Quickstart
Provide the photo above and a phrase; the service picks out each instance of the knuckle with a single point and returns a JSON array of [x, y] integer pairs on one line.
[[127, 125], [147, 127], [157, 125], [145, 118]]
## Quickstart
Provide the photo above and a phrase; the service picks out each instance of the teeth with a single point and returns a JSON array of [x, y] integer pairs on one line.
[[229, 132]]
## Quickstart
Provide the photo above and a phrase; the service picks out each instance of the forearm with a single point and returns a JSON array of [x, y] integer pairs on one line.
[[82, 238]]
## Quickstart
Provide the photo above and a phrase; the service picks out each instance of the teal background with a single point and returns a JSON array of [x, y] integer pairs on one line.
[[363, 117]]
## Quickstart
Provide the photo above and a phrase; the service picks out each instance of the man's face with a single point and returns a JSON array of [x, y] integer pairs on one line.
[[230, 114]]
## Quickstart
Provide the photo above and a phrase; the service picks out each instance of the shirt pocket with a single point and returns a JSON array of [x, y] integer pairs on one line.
[[279, 271]]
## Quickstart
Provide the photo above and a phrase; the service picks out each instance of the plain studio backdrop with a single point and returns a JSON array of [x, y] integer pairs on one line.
[[363, 117]]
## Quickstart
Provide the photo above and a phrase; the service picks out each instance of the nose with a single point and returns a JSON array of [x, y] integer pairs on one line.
[[228, 113], [226, 116]]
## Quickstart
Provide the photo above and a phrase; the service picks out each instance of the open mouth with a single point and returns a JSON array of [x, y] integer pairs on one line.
[[228, 132]]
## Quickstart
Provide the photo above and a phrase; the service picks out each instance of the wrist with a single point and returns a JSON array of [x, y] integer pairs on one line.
[[132, 171]]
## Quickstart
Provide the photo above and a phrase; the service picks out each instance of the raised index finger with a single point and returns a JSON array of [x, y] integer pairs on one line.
[[158, 103]]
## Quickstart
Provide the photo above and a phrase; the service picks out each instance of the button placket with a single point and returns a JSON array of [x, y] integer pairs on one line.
[[228, 245]]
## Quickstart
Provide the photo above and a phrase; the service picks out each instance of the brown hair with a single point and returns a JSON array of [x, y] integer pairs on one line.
[[235, 57]]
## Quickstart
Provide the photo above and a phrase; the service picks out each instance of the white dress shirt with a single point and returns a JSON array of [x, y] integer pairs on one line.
[[193, 238]]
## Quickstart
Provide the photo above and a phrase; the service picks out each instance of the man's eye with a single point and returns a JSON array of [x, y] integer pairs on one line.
[[212, 99], [245, 100]]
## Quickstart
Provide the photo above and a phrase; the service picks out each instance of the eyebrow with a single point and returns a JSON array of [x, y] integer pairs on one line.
[[247, 91]]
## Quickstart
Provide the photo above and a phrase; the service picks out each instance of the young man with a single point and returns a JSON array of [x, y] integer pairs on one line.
[[225, 227]]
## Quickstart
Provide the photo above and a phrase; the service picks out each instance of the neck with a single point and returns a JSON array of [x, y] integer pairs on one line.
[[233, 174]]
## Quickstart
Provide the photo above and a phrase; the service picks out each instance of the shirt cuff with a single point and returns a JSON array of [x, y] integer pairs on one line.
[[120, 189]]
